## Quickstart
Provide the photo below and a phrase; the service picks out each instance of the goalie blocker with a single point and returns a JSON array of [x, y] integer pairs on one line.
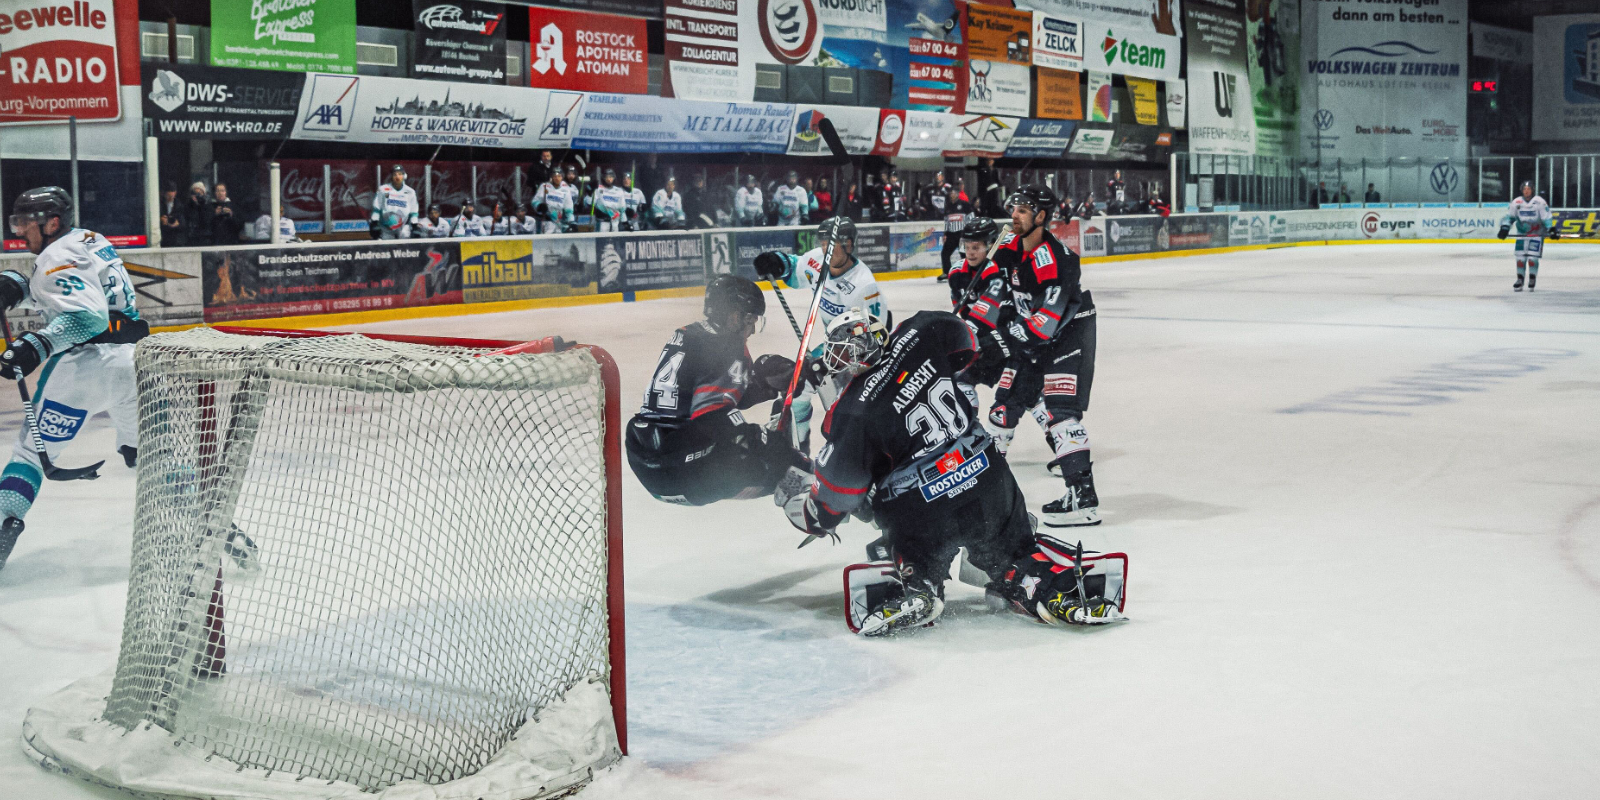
[[903, 441]]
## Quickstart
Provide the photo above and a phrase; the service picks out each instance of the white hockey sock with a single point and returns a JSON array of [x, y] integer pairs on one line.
[[1002, 438], [1070, 437], [1041, 415]]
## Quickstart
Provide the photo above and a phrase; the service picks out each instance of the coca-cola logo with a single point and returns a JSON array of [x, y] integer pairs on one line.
[[789, 28]]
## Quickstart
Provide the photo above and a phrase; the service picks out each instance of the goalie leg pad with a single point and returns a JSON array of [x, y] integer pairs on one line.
[[1046, 585], [879, 603]]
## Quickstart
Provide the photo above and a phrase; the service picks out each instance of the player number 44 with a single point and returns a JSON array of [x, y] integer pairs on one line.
[[665, 384]]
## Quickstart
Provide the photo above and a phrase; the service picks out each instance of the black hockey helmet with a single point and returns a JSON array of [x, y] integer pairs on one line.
[[41, 204], [846, 230], [730, 294], [980, 229], [1035, 196]]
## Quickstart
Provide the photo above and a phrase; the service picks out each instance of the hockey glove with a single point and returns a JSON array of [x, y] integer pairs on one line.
[[774, 371], [770, 266], [13, 289], [22, 357], [1504, 229], [802, 514]]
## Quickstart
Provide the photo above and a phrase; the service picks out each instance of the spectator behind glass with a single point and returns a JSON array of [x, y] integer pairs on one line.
[[196, 215], [171, 217], [1372, 195], [697, 204], [225, 224], [824, 198]]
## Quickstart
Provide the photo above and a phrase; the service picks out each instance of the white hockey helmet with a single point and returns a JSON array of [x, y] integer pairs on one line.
[[855, 342]]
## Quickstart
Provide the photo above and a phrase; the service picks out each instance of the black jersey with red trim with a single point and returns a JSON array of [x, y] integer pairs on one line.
[[905, 407], [981, 294], [1044, 285], [700, 371]]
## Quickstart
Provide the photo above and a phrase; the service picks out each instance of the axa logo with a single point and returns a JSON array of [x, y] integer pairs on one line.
[[1323, 119], [332, 105], [551, 51], [558, 112], [1444, 178], [790, 29], [1223, 100]]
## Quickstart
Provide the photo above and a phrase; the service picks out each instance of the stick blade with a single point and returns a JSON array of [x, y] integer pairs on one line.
[[88, 473]]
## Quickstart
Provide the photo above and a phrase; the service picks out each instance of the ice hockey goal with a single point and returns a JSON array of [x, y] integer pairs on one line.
[[362, 564]]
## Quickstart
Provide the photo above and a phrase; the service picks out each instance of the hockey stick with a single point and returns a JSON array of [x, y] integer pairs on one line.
[[811, 321], [50, 470], [786, 312], [969, 294]]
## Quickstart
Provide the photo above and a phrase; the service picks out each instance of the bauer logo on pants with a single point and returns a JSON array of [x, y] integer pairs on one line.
[[59, 423], [1061, 385]]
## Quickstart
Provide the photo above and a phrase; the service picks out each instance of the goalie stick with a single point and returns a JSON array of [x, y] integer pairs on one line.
[[50, 470]]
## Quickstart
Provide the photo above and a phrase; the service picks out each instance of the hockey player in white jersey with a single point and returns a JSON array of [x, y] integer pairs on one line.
[[792, 201], [85, 347], [554, 203], [468, 223], [666, 208], [523, 223], [432, 226], [610, 204], [636, 204], [748, 204], [394, 207], [1530, 216], [849, 285]]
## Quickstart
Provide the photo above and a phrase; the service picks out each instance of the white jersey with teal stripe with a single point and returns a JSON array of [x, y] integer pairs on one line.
[[77, 282]]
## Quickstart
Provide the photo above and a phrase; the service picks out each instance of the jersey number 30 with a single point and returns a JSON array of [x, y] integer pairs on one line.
[[941, 419]]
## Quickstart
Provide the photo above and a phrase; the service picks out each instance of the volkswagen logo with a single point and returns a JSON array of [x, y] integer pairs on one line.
[[1444, 178], [1323, 119]]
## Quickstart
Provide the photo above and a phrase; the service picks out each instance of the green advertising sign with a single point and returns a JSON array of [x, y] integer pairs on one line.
[[293, 35]]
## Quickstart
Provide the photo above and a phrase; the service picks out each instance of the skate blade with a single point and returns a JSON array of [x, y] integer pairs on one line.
[[1077, 519]]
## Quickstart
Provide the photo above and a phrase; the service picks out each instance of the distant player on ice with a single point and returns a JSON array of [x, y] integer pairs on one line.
[[689, 444], [1530, 216], [86, 345], [904, 446]]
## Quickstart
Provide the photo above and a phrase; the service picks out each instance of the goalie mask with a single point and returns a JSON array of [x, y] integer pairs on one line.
[[855, 342]]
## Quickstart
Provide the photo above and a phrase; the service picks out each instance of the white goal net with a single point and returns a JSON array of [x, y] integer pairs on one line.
[[359, 566]]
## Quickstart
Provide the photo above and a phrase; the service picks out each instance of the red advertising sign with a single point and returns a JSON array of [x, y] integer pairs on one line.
[[935, 48], [933, 97], [932, 72], [587, 52], [891, 132], [60, 61]]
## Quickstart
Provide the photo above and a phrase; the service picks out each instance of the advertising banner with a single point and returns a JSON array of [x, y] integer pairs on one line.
[[1126, 51], [523, 269], [1041, 138], [644, 123], [996, 87], [649, 9], [1057, 43], [1177, 104], [1583, 223], [873, 246], [1099, 94], [916, 245], [588, 52], [998, 33], [863, 20], [927, 133], [1221, 121], [167, 284], [302, 36], [61, 61], [1092, 237], [1272, 30], [1566, 77], [281, 282], [1503, 44], [857, 128], [983, 135], [935, 59], [1060, 94], [713, 46], [1145, 109], [1383, 82], [747, 244], [1144, 16], [458, 40], [891, 132], [1128, 235], [1091, 141], [1192, 232], [349, 108], [634, 263], [184, 101], [1256, 228]]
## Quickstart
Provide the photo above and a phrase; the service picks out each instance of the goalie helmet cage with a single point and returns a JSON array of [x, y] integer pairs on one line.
[[363, 566]]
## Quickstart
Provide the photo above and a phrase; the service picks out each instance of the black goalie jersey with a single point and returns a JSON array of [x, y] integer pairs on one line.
[[904, 425]]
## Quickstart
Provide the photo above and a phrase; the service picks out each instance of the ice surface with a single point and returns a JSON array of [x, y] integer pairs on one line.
[[1360, 487]]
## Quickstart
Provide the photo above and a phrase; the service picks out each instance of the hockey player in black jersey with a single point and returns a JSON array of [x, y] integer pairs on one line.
[[689, 444], [906, 445], [1052, 338], [980, 295]]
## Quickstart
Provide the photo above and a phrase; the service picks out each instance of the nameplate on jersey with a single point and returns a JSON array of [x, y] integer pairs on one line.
[[59, 423], [952, 474]]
